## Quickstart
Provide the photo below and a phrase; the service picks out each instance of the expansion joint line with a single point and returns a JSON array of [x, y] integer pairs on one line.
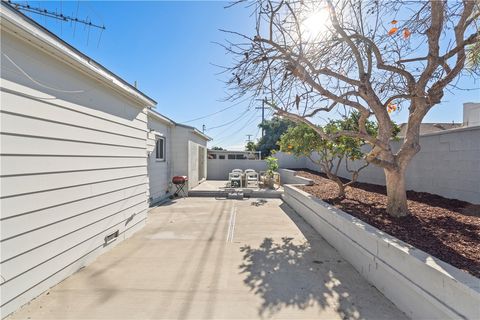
[[231, 224]]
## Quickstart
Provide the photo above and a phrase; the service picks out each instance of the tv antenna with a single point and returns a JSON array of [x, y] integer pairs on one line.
[[54, 15]]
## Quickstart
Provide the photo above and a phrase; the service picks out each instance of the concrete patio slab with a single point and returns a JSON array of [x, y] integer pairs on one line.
[[220, 188], [201, 258]]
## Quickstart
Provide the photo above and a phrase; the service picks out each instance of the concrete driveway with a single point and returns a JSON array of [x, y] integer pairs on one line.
[[203, 258]]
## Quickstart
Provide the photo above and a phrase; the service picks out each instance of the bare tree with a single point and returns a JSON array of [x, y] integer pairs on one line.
[[315, 57]]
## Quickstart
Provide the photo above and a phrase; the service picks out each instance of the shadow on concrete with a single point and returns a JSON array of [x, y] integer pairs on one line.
[[286, 273]]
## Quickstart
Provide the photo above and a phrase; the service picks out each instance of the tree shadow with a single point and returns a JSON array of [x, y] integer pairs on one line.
[[288, 273], [284, 274]]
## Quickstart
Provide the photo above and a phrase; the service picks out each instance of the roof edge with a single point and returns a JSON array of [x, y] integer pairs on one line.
[[39, 36], [165, 119], [195, 130], [161, 117]]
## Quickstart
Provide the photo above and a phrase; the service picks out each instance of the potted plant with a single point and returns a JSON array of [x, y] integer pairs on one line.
[[272, 167]]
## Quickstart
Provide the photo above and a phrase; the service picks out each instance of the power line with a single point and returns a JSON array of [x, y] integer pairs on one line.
[[228, 129], [242, 127], [217, 112], [230, 122]]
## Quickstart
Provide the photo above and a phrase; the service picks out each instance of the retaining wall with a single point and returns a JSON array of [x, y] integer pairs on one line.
[[288, 176], [420, 285]]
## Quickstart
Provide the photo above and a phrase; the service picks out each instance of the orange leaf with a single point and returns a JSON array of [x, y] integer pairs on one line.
[[391, 107], [406, 33], [394, 22], [392, 31]]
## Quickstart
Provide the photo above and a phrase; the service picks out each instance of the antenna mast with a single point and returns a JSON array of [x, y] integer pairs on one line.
[[54, 15]]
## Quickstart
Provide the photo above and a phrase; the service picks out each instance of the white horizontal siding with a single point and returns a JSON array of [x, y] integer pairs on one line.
[[22, 165], [13, 90], [159, 172], [76, 256], [18, 252], [19, 224], [13, 186], [31, 202], [43, 109], [20, 125], [73, 170], [25, 146]]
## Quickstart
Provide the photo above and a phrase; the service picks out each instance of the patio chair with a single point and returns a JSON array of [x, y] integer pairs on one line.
[[251, 178], [235, 179], [249, 170], [237, 171]]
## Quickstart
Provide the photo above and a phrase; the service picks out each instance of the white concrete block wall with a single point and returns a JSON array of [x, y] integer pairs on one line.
[[218, 169], [73, 170], [448, 164], [288, 161]]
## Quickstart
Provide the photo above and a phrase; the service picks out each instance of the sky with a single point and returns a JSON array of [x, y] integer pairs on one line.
[[170, 49]]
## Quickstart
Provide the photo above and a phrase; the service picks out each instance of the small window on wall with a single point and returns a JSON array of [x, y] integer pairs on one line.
[[212, 156], [160, 149], [221, 156], [231, 156]]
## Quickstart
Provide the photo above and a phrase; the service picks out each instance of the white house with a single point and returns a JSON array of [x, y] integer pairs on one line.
[[159, 151], [174, 149], [192, 142], [76, 155]]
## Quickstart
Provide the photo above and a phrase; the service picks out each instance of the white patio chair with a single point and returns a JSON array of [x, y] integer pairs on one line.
[[251, 178], [235, 178], [237, 171], [249, 170]]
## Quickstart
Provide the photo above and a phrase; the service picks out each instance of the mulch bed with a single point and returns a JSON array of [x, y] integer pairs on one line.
[[445, 228]]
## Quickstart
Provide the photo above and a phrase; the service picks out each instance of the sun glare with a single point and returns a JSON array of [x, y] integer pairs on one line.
[[315, 23]]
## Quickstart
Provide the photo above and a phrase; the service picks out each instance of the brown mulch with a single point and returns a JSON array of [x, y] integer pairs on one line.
[[445, 228]]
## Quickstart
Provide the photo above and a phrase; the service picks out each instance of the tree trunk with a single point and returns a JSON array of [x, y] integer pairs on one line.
[[331, 176], [396, 192], [341, 187]]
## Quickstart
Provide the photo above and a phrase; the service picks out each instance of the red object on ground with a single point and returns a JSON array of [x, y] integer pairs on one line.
[[179, 179], [179, 182]]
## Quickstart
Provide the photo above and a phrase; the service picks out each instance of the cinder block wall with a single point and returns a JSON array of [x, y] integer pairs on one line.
[[448, 165], [218, 169]]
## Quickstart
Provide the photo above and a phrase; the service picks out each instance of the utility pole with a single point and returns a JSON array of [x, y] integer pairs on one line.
[[203, 128], [263, 114], [249, 137]]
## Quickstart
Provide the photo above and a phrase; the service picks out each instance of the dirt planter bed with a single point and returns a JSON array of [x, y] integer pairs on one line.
[[422, 286]]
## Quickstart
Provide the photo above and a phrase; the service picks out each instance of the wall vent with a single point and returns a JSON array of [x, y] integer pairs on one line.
[[111, 237]]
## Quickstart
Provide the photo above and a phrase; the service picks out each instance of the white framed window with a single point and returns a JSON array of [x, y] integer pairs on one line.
[[160, 149]]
